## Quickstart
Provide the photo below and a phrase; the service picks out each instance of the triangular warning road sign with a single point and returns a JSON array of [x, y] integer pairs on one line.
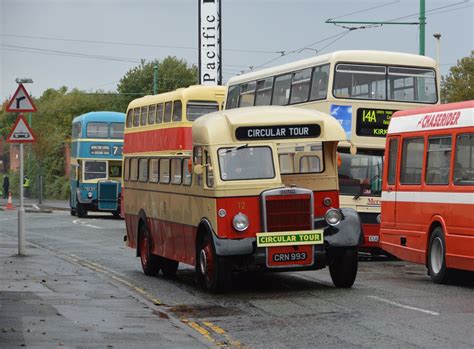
[[21, 101], [21, 132]]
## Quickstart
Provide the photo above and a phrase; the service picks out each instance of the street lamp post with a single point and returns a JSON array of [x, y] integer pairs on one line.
[[437, 36]]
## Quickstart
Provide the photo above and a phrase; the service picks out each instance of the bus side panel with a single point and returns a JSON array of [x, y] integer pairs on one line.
[[179, 244], [174, 138], [190, 243], [131, 224], [460, 237], [391, 244]]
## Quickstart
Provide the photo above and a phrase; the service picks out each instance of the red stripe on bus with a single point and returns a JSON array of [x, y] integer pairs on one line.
[[176, 138]]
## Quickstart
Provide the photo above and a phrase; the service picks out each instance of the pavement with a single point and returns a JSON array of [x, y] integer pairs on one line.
[[33, 205], [49, 300]]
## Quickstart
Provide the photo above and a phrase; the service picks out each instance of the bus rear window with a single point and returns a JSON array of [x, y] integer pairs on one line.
[[116, 130], [97, 130], [195, 109], [95, 170]]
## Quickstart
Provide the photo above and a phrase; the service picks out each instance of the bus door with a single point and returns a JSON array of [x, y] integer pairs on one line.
[[389, 198]]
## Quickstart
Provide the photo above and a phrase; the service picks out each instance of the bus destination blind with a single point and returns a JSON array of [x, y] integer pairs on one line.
[[373, 122], [250, 133]]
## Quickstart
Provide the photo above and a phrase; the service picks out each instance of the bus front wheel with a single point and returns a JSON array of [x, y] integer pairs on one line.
[[343, 264], [150, 262], [81, 210], [211, 270], [437, 257]]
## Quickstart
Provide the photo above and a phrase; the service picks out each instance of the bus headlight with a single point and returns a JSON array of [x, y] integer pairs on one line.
[[240, 222], [90, 195], [379, 218], [333, 216]]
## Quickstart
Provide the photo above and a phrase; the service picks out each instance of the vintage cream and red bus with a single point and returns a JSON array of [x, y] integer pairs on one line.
[[258, 190], [361, 89], [428, 188]]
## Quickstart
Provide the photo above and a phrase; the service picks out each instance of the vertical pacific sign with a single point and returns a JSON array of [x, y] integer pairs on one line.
[[210, 52]]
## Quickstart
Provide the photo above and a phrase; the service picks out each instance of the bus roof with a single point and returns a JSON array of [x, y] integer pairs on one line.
[[220, 127], [105, 116], [442, 116], [199, 92], [348, 56]]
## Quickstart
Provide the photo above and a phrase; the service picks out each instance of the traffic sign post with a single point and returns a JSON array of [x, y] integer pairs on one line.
[[21, 133]]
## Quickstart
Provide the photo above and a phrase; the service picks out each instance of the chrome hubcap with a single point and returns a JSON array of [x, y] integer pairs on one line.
[[203, 262], [436, 255]]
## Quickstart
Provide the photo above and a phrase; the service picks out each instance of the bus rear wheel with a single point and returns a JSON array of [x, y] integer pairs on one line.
[[437, 258], [150, 262], [169, 267], [212, 271], [343, 265]]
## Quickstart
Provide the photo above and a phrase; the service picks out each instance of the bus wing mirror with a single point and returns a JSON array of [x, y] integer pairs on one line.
[[198, 169]]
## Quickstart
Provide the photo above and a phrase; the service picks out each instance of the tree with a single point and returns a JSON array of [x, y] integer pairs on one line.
[[458, 85], [173, 73]]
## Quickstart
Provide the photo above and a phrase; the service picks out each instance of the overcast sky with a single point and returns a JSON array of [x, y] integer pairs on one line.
[[91, 44]]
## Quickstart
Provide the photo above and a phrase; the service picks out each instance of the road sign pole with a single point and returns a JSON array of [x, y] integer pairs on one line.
[[21, 210]]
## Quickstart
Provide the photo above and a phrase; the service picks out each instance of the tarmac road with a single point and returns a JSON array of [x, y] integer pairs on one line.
[[392, 304]]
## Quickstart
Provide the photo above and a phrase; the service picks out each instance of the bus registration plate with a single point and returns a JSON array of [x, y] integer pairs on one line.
[[290, 256]]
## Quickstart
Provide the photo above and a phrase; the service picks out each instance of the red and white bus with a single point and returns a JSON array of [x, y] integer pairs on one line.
[[428, 188]]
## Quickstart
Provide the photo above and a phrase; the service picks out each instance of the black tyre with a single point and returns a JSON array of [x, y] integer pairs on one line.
[[212, 271], [150, 262], [73, 210], [169, 267], [437, 258], [81, 210], [343, 264]]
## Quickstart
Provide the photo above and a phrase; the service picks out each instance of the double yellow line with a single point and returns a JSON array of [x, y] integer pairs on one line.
[[225, 341]]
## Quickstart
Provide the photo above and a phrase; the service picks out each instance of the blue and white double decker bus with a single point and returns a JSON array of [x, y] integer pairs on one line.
[[96, 162]]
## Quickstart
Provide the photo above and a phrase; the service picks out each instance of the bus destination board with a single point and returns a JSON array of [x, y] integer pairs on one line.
[[373, 122], [253, 133]]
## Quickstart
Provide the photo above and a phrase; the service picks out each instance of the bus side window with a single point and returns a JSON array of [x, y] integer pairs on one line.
[[198, 161], [187, 171], [151, 114], [143, 116], [300, 86], [209, 172], [286, 163], [264, 92], [126, 169], [143, 170], [233, 97], [412, 160], [153, 170], [168, 107], [319, 85], [177, 111], [136, 117], [438, 160], [129, 118], [464, 160], [164, 171], [281, 90], [159, 113], [247, 94], [134, 169], [176, 169], [392, 161]]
